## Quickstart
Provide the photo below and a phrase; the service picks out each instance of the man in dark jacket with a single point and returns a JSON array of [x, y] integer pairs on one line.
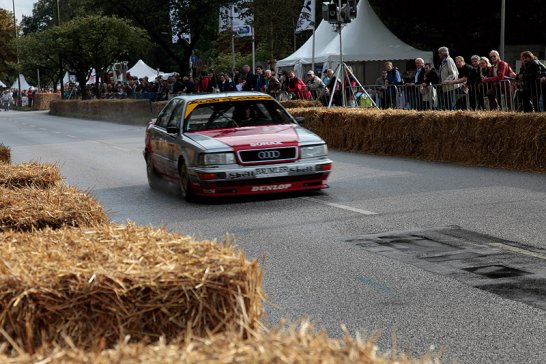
[[225, 84], [530, 73], [392, 80], [250, 79], [428, 90]]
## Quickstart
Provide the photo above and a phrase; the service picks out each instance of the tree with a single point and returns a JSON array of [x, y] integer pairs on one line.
[[39, 51], [465, 29], [44, 14], [274, 25], [8, 53], [198, 18], [85, 43], [98, 42]]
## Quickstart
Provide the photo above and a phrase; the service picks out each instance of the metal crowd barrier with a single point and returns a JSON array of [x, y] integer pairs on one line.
[[506, 95]]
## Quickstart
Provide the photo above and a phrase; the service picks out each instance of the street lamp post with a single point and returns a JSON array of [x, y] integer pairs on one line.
[[17, 46], [503, 28], [60, 55]]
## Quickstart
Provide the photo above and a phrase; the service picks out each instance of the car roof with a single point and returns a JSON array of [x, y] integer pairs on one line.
[[234, 95]]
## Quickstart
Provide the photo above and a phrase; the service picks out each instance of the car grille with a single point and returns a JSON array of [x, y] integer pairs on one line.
[[268, 155]]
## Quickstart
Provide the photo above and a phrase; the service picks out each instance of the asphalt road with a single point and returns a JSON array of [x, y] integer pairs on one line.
[[436, 255]]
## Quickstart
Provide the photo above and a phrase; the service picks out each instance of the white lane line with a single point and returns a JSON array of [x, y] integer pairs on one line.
[[517, 250], [338, 206], [70, 136], [120, 148]]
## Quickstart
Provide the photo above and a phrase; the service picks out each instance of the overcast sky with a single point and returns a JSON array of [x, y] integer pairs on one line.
[[22, 7]]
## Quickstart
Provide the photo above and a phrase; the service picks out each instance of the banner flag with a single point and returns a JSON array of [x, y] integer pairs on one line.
[[305, 21], [232, 17]]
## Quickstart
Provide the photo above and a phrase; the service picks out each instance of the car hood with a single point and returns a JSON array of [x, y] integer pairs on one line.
[[252, 137]]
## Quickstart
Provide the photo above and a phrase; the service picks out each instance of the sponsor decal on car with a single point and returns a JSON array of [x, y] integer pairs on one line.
[[263, 144], [271, 187], [277, 171]]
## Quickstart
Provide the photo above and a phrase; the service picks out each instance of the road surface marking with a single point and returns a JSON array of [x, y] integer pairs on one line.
[[378, 286], [517, 250], [336, 205]]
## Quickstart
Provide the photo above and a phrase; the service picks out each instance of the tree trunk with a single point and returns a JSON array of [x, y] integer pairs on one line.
[[81, 77]]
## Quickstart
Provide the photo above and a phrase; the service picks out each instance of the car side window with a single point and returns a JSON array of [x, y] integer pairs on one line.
[[165, 114], [176, 115]]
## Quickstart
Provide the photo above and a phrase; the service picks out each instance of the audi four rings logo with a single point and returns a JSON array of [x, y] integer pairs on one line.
[[269, 154]]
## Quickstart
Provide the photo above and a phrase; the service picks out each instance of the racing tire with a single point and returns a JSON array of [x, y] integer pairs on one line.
[[153, 178], [185, 190]]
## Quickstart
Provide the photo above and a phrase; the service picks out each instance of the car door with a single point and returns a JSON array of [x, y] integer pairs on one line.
[[160, 138], [174, 141]]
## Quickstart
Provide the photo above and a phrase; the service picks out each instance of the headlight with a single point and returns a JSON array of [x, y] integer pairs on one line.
[[217, 158], [314, 151]]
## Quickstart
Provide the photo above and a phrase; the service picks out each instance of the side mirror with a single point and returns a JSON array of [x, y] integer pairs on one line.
[[173, 130], [300, 119]]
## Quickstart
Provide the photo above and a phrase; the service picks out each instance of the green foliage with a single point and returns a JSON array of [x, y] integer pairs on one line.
[[8, 53], [44, 14], [465, 28], [224, 61], [97, 42], [83, 43], [38, 52]]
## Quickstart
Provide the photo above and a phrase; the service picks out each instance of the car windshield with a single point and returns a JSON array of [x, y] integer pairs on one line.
[[235, 114]]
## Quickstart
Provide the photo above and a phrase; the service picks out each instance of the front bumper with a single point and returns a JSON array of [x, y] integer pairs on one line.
[[261, 179]]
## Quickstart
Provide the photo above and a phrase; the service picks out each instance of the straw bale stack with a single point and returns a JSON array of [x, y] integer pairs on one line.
[[493, 139], [28, 209], [291, 104], [98, 285], [5, 154], [43, 99], [130, 111], [295, 345], [38, 175]]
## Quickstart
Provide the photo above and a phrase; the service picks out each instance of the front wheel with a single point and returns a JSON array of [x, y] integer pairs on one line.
[[153, 177], [185, 190]]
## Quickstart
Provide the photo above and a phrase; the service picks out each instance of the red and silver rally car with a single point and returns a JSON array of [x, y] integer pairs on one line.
[[238, 143]]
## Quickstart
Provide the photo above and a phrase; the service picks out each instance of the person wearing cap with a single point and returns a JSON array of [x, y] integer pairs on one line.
[[315, 85]]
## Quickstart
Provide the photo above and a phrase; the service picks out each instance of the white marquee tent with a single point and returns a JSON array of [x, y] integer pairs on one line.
[[365, 39], [141, 69], [24, 84]]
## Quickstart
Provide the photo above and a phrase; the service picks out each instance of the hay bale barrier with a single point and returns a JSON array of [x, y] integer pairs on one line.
[[31, 174], [42, 100], [127, 111], [293, 104], [100, 285], [29, 209], [297, 345], [492, 139], [5, 154]]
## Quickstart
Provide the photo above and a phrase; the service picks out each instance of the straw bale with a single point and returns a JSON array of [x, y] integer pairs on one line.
[[27, 209], [493, 139], [98, 285], [5, 154], [31, 174], [43, 99], [296, 344], [130, 111], [291, 104]]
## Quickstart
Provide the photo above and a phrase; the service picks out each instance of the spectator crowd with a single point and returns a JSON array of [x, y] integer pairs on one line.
[[484, 83]]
